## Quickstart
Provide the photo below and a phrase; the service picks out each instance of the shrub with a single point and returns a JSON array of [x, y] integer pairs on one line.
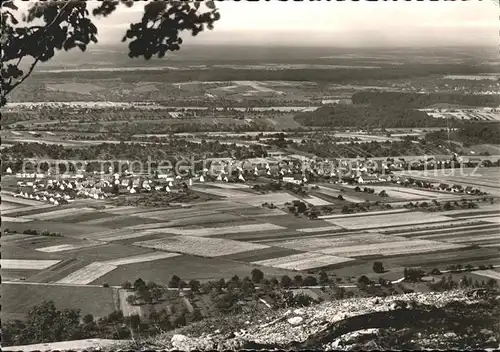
[[310, 281], [174, 282], [257, 275], [413, 274], [132, 300], [127, 285], [378, 267], [323, 277], [364, 280], [286, 281], [435, 271], [194, 285], [297, 280]]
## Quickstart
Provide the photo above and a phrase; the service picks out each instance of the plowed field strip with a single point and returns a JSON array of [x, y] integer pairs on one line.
[[322, 244], [211, 231], [489, 273], [433, 226], [27, 264], [61, 213], [319, 229], [450, 230], [201, 246], [16, 219], [371, 213], [390, 249], [302, 261], [141, 258], [381, 221], [66, 247], [459, 234], [87, 274]]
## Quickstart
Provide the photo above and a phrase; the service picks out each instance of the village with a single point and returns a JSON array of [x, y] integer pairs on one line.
[[60, 188]]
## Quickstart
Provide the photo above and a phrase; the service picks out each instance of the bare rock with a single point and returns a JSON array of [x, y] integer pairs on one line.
[[295, 320]]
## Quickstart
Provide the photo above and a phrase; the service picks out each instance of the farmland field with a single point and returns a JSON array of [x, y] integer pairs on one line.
[[380, 221], [141, 258], [260, 254], [16, 219], [65, 229], [391, 249], [316, 201], [186, 267], [484, 178], [211, 231], [489, 274], [406, 193], [319, 229], [55, 214], [18, 299], [27, 264], [66, 247], [87, 274], [302, 261], [5, 206], [18, 200], [201, 246], [340, 240]]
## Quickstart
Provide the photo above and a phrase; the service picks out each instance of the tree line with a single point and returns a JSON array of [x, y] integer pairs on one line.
[[423, 100]]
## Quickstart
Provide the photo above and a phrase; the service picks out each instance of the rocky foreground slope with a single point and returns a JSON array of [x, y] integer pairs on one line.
[[450, 320]]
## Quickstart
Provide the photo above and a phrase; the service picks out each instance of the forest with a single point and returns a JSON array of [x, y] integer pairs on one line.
[[470, 134], [399, 100], [334, 75], [392, 116]]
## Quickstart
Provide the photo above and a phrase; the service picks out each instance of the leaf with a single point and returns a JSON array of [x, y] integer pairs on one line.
[[128, 3], [10, 5], [210, 4]]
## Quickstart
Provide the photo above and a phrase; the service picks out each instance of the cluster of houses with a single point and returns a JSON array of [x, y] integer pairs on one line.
[[45, 196], [295, 169]]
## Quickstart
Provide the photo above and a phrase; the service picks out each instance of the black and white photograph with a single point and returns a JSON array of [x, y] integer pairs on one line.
[[185, 175]]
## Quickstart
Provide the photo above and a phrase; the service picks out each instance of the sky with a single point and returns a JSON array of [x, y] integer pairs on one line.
[[335, 23], [345, 23]]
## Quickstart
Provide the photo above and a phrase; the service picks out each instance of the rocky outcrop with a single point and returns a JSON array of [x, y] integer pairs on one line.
[[455, 319]]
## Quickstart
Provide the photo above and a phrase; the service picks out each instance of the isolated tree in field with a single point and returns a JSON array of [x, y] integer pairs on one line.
[[323, 277], [413, 274], [257, 275], [378, 267], [310, 281], [174, 282], [297, 280], [47, 27], [194, 285], [139, 284], [364, 280], [286, 281]]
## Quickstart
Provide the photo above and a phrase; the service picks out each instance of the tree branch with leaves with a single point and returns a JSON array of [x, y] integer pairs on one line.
[[50, 26]]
